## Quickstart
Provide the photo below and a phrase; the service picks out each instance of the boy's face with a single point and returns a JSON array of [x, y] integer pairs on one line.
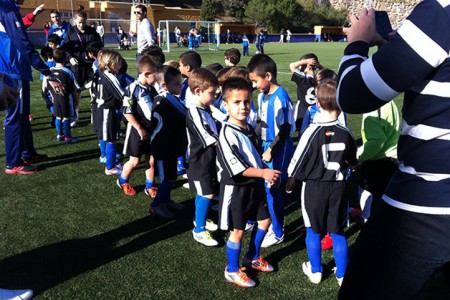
[[238, 103], [207, 96], [52, 45], [184, 69], [148, 78], [174, 86], [261, 83]]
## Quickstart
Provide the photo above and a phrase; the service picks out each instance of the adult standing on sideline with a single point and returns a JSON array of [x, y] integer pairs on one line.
[[59, 28], [177, 32], [407, 238], [281, 36], [77, 38], [146, 31], [101, 31], [288, 36], [8, 96], [17, 55]]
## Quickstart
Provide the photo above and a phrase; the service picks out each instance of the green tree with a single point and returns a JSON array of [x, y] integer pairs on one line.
[[208, 10], [234, 8], [259, 12]]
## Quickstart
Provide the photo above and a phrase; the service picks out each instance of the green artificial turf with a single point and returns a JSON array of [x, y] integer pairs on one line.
[[68, 232]]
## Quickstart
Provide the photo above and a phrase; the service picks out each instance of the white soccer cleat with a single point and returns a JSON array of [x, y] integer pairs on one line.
[[315, 278], [339, 279], [239, 278], [204, 238], [210, 225], [271, 239]]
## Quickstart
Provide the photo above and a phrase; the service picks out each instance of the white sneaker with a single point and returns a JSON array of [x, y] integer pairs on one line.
[[339, 279], [313, 277], [210, 225], [184, 176], [205, 238], [15, 294], [186, 185], [271, 239], [249, 227]]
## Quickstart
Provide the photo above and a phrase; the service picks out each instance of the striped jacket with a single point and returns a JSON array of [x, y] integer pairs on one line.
[[415, 61]]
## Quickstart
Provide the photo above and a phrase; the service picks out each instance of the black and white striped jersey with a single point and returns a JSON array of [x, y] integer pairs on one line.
[[324, 152], [138, 102], [237, 151], [108, 93]]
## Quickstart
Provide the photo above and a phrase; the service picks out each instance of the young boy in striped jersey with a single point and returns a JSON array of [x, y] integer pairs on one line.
[[169, 139], [242, 192], [323, 154], [277, 124], [137, 109], [201, 157], [63, 104]]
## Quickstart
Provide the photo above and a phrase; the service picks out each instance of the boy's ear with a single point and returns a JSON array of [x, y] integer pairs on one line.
[[197, 92], [163, 86], [269, 76]]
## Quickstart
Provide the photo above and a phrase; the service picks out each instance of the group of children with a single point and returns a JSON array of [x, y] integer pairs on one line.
[[210, 121]]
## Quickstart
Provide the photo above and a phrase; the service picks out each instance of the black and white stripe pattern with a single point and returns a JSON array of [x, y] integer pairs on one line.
[[415, 61]]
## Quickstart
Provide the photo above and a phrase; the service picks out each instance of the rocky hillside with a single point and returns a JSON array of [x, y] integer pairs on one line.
[[397, 10]]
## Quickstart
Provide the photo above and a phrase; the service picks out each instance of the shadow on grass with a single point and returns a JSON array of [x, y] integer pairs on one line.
[[69, 158], [45, 267]]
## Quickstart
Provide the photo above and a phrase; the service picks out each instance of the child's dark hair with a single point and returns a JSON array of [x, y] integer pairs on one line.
[[323, 75], [260, 64], [235, 83], [203, 79], [147, 61], [233, 55], [166, 74], [59, 55], [222, 75], [47, 53], [156, 53], [80, 12], [191, 59], [308, 56], [326, 95], [124, 67], [94, 47], [54, 38], [215, 68]]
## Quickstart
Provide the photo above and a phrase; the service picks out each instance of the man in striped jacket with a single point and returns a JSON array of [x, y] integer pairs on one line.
[[408, 238]]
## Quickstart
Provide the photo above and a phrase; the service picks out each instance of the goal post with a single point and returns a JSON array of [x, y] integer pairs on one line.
[[170, 42]]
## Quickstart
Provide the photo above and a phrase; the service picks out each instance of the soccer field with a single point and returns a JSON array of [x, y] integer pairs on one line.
[[68, 232]]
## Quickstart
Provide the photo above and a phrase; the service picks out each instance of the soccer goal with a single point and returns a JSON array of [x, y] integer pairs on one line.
[[170, 40]]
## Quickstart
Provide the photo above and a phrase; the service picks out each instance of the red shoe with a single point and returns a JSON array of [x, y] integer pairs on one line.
[[24, 170], [127, 188], [327, 242]]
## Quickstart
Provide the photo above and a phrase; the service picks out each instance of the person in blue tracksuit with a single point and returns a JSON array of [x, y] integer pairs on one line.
[[16, 56]]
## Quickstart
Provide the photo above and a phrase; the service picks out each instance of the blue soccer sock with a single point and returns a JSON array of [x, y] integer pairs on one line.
[[103, 148], [314, 249], [340, 251], [233, 254], [201, 211], [148, 183], [59, 126], [67, 129], [163, 195], [276, 209], [123, 179], [256, 240], [110, 155]]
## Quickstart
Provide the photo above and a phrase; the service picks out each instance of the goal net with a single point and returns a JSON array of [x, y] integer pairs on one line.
[[171, 39]]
